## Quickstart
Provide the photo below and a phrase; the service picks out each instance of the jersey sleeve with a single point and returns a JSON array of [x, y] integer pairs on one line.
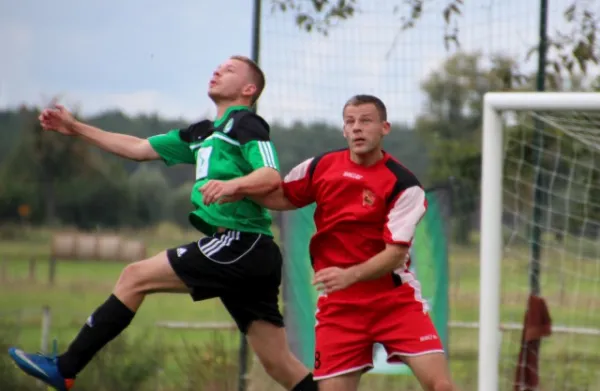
[[297, 184], [404, 213], [172, 147], [256, 146]]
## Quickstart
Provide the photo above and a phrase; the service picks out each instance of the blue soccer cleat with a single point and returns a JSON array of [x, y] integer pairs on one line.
[[41, 367]]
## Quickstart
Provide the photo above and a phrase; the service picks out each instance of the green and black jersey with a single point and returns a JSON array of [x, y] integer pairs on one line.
[[230, 147]]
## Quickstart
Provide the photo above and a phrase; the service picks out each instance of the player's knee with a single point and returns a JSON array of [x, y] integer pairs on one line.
[[132, 278]]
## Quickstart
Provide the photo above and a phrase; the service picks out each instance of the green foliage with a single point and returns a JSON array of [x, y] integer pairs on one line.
[[571, 49], [321, 15], [10, 378], [124, 364], [138, 363], [297, 143], [149, 195], [65, 181], [181, 204], [208, 367], [317, 15], [452, 125]]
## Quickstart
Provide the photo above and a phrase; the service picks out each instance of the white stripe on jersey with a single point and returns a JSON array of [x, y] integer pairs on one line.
[[298, 172], [406, 213], [266, 151]]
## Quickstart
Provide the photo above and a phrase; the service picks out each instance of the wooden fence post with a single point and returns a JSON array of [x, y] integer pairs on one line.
[[32, 264]]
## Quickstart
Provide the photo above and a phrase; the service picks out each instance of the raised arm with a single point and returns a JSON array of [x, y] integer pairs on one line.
[[59, 119], [171, 147], [123, 145]]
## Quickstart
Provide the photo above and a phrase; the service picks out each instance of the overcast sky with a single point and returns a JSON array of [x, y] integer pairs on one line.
[[144, 56]]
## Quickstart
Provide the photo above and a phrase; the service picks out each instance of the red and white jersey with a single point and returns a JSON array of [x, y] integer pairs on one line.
[[359, 210]]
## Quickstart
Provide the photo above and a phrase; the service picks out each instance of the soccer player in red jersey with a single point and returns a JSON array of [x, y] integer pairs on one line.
[[368, 206]]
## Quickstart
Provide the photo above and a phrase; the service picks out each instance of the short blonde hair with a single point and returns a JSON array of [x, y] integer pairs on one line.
[[257, 75]]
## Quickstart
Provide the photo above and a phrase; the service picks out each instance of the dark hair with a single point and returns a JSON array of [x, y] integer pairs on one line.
[[257, 75], [358, 100]]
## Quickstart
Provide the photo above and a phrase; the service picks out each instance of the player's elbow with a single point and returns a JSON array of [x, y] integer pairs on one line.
[[271, 180], [141, 151]]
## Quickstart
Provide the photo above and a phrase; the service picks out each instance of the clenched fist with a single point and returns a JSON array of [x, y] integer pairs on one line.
[[58, 119]]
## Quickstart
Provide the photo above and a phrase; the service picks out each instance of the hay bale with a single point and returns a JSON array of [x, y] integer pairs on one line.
[[108, 247], [86, 246], [63, 245], [131, 251]]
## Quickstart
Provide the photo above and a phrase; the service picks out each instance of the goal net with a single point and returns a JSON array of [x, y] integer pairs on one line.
[[540, 236]]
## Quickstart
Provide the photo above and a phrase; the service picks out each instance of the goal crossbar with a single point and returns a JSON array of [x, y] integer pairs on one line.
[[542, 101], [491, 209]]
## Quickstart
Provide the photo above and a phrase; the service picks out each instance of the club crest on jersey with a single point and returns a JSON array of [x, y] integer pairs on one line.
[[368, 198], [228, 126]]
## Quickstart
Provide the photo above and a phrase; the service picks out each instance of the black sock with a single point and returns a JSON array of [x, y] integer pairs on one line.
[[108, 321], [306, 384]]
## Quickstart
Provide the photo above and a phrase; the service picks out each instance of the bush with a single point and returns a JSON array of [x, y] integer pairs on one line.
[[141, 364], [181, 204], [149, 194], [124, 365], [11, 378], [208, 367]]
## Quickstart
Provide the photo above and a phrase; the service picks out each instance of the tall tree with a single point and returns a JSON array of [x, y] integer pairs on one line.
[[575, 47], [451, 125], [45, 170]]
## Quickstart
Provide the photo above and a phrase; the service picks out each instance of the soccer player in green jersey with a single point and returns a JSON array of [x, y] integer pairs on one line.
[[237, 261]]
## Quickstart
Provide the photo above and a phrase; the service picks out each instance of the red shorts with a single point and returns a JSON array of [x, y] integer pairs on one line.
[[346, 331]]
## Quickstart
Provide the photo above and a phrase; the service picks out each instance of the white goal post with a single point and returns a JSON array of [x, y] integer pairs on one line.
[[491, 244]]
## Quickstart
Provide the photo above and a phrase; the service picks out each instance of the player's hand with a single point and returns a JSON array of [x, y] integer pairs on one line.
[[58, 119], [214, 190], [333, 279]]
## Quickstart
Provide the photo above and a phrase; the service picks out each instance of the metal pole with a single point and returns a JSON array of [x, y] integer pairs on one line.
[[256, 19], [46, 319], [255, 55], [539, 199]]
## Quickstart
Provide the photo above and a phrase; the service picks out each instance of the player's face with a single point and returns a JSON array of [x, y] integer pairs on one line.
[[231, 81], [363, 128]]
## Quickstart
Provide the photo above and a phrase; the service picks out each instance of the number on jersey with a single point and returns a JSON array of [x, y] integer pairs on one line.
[[202, 162]]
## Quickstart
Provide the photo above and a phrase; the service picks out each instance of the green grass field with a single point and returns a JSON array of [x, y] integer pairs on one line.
[[568, 362]]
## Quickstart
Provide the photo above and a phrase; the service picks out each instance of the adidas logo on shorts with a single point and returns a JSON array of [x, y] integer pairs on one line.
[[181, 251]]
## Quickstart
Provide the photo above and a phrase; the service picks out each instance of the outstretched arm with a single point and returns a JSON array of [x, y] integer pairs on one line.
[[60, 120], [129, 147]]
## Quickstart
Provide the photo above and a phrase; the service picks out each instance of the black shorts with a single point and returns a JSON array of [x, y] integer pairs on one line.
[[242, 269]]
